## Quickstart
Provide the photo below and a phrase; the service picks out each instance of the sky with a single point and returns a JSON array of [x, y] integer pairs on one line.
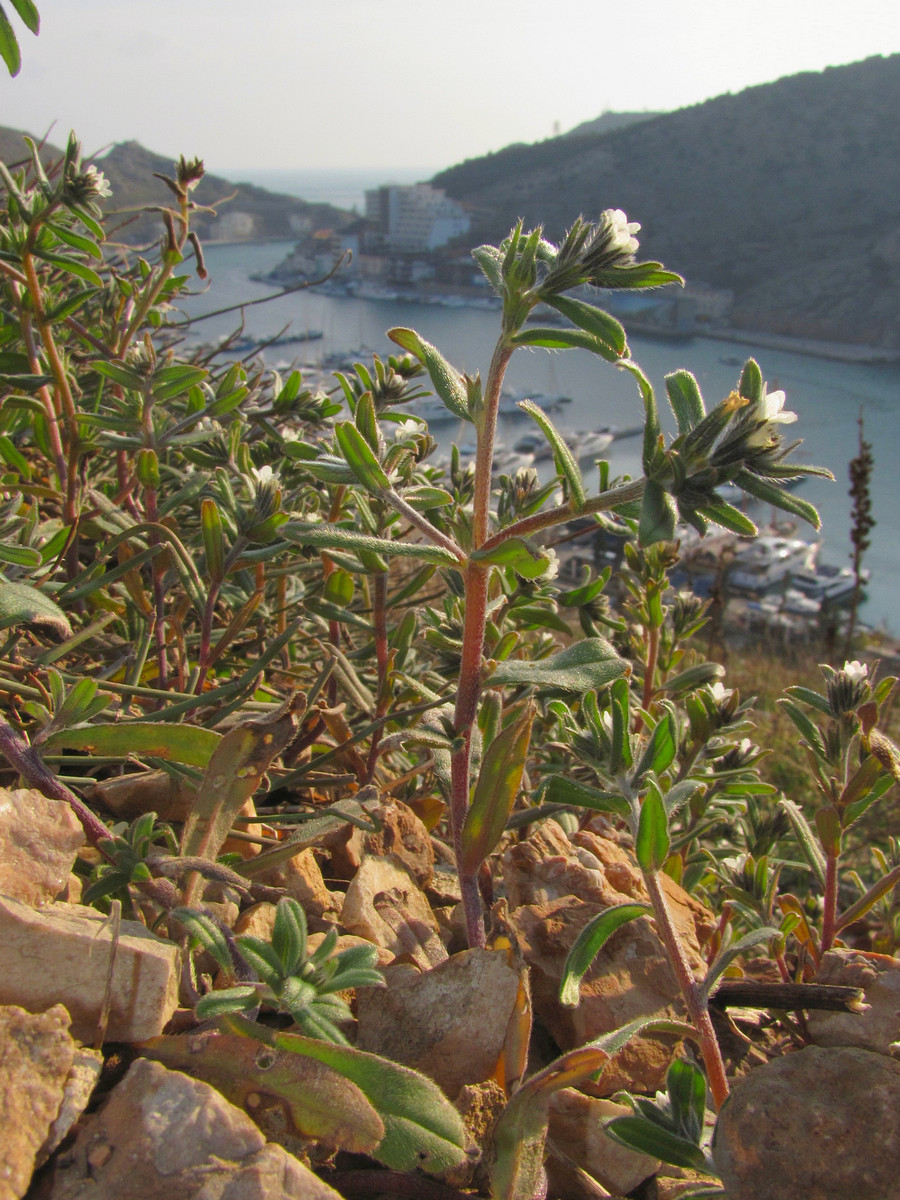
[[326, 84]]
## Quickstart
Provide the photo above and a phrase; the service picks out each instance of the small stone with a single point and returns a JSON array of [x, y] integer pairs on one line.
[[879, 1026], [36, 1056], [449, 1022], [411, 926], [301, 877], [402, 836], [576, 1128], [130, 796], [61, 954], [80, 1083], [821, 1124], [39, 839], [161, 1135], [258, 920]]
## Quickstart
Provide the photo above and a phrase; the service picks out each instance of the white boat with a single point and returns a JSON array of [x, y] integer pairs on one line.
[[769, 560], [590, 444], [827, 583]]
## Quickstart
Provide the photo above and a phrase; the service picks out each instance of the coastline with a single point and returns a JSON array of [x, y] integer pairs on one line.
[[850, 352]]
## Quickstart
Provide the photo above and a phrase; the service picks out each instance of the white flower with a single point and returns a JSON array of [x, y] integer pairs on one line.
[[773, 410], [621, 237], [855, 671], [263, 475], [405, 429], [720, 693], [552, 568]]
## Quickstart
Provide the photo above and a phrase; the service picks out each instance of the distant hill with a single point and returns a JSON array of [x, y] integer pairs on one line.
[[609, 121], [252, 214], [786, 194]]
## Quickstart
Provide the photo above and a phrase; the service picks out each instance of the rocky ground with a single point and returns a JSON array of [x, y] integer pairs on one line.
[[86, 1112]]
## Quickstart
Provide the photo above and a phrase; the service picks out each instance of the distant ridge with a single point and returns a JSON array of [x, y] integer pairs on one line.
[[252, 214], [786, 194]]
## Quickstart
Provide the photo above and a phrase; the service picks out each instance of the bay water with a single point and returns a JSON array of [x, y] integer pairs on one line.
[[827, 396]]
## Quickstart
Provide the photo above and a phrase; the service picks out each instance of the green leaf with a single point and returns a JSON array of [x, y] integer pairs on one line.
[[590, 942], [658, 515], [730, 518], [686, 1087], [336, 537], [360, 458], [560, 789], [582, 667], [70, 265], [806, 727], [685, 399], [22, 604], [205, 931], [771, 493], [593, 321], [565, 462], [806, 838], [289, 934], [808, 696], [29, 14], [447, 382], [522, 555], [20, 556], [422, 1129], [76, 240], [189, 744], [651, 846], [9, 46], [693, 677], [318, 1101], [662, 747], [120, 374], [620, 754], [564, 339], [649, 1138], [502, 767], [242, 998], [726, 956]]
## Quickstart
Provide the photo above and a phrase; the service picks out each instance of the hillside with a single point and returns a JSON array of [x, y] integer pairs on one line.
[[252, 214], [785, 193]]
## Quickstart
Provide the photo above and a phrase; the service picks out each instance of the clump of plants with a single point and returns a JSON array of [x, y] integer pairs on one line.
[[221, 581]]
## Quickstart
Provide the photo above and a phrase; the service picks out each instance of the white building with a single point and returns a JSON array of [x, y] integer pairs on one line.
[[412, 219]]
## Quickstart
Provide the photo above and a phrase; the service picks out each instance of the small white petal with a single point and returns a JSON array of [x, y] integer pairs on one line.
[[856, 671]]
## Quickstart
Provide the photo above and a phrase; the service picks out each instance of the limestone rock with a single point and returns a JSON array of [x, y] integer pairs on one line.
[[822, 1124], [80, 1083], [384, 906], [161, 1135], [450, 1022], [403, 837], [61, 954], [630, 978], [128, 796], [36, 1055], [879, 977], [39, 839], [576, 1128], [301, 877]]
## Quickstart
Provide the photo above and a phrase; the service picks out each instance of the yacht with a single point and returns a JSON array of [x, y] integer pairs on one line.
[[769, 560], [827, 583]]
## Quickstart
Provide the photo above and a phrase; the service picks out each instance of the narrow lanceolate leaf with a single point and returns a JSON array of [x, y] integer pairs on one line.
[[583, 667], [28, 13], [687, 1096], [448, 383], [560, 789], [422, 1129], [317, 1100], [651, 846], [71, 266], [22, 604], [685, 399], [189, 744], [726, 957], [730, 518], [806, 727], [662, 747], [336, 537], [565, 339], [806, 839], [648, 1138], [119, 373], [289, 934], [590, 942], [524, 556], [658, 516], [360, 458], [502, 767], [9, 46], [235, 771], [771, 493], [593, 321], [76, 240], [213, 540], [562, 455]]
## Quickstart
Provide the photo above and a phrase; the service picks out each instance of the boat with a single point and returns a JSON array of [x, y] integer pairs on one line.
[[768, 560], [828, 584], [590, 444]]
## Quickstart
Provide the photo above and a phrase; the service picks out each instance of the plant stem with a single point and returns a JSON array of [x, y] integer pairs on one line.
[[694, 1002], [26, 760], [829, 916]]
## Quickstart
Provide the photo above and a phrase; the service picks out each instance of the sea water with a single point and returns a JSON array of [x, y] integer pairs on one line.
[[827, 396]]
